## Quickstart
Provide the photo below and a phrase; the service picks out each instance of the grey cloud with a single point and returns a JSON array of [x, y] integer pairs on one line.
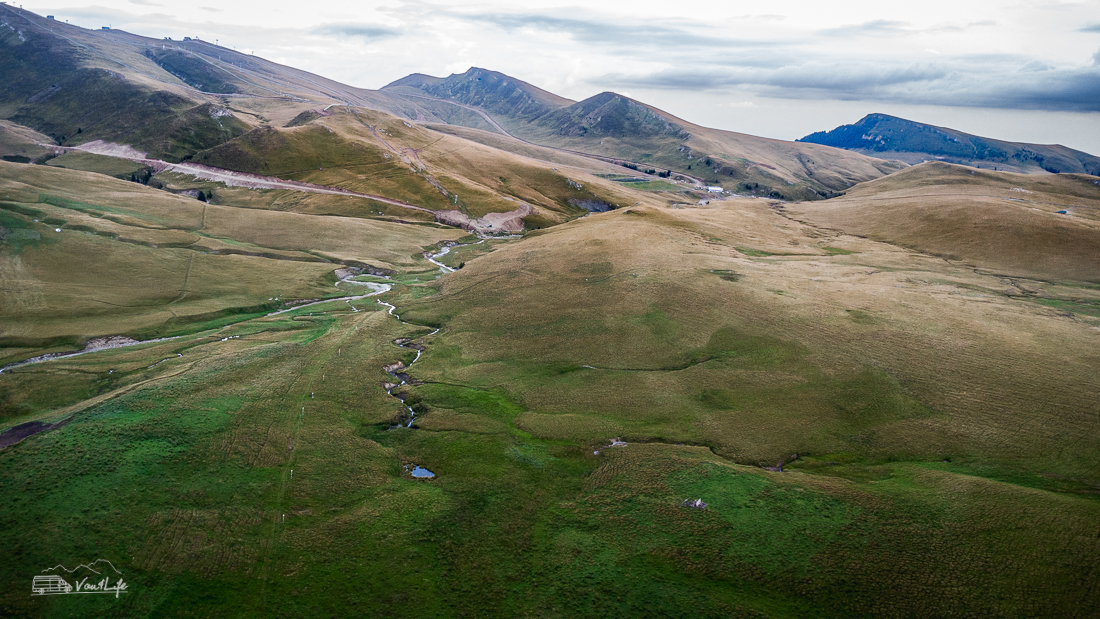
[[857, 81], [952, 83], [1036, 65], [368, 32], [94, 15], [144, 3], [882, 27], [787, 69], [761, 17], [618, 33], [1067, 90], [862, 80], [769, 59], [1089, 28], [878, 27], [956, 28]]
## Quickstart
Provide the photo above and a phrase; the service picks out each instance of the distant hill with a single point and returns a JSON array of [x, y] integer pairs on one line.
[[490, 90], [57, 86], [620, 128], [890, 137], [610, 115], [169, 98]]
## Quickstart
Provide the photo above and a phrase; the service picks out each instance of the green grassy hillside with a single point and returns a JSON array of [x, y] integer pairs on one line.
[[193, 70], [931, 461], [888, 400]]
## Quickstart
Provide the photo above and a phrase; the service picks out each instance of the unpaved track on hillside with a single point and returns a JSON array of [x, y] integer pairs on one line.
[[229, 177], [493, 222]]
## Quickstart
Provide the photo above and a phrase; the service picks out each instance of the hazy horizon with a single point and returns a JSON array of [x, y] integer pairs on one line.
[[1012, 71]]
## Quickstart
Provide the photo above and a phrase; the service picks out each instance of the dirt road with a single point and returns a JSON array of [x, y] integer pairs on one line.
[[490, 224]]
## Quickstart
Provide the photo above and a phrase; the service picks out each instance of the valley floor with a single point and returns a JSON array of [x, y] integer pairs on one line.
[[874, 431]]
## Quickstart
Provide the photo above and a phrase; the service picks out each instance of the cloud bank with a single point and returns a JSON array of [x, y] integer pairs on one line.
[[821, 63], [1040, 57]]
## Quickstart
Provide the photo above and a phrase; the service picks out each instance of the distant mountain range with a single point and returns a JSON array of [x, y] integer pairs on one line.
[[617, 127], [175, 99], [890, 137], [178, 99]]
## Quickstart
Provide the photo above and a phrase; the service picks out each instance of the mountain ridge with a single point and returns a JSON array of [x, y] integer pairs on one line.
[[612, 125], [886, 136]]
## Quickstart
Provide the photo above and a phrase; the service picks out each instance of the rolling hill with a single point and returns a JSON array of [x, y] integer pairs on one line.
[[491, 91], [1034, 226], [889, 137]]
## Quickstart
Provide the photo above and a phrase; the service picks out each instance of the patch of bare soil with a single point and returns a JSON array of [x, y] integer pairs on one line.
[[512, 221], [110, 341], [17, 433], [99, 147]]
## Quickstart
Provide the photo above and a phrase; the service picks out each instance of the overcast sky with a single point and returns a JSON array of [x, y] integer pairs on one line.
[[1026, 70]]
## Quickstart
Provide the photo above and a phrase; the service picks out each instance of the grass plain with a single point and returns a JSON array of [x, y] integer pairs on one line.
[[942, 424]]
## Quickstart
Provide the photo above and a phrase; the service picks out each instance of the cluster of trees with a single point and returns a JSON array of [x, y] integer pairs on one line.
[[634, 166]]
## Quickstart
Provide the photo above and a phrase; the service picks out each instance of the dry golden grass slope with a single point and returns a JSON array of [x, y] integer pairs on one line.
[[373, 152], [21, 141], [83, 255], [999, 221], [736, 327]]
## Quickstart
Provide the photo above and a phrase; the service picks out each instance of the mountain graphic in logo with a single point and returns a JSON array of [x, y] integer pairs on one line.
[[101, 567], [100, 576]]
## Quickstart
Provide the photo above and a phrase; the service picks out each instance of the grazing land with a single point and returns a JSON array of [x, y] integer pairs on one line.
[[463, 348], [917, 446]]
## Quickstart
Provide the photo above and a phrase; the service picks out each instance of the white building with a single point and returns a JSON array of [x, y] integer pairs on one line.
[[714, 189]]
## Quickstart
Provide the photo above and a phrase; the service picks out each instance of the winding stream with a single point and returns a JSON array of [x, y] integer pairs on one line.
[[398, 370], [378, 289], [89, 349], [443, 252], [123, 342]]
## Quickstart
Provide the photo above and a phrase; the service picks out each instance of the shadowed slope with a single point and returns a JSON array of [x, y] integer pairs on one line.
[[59, 86]]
